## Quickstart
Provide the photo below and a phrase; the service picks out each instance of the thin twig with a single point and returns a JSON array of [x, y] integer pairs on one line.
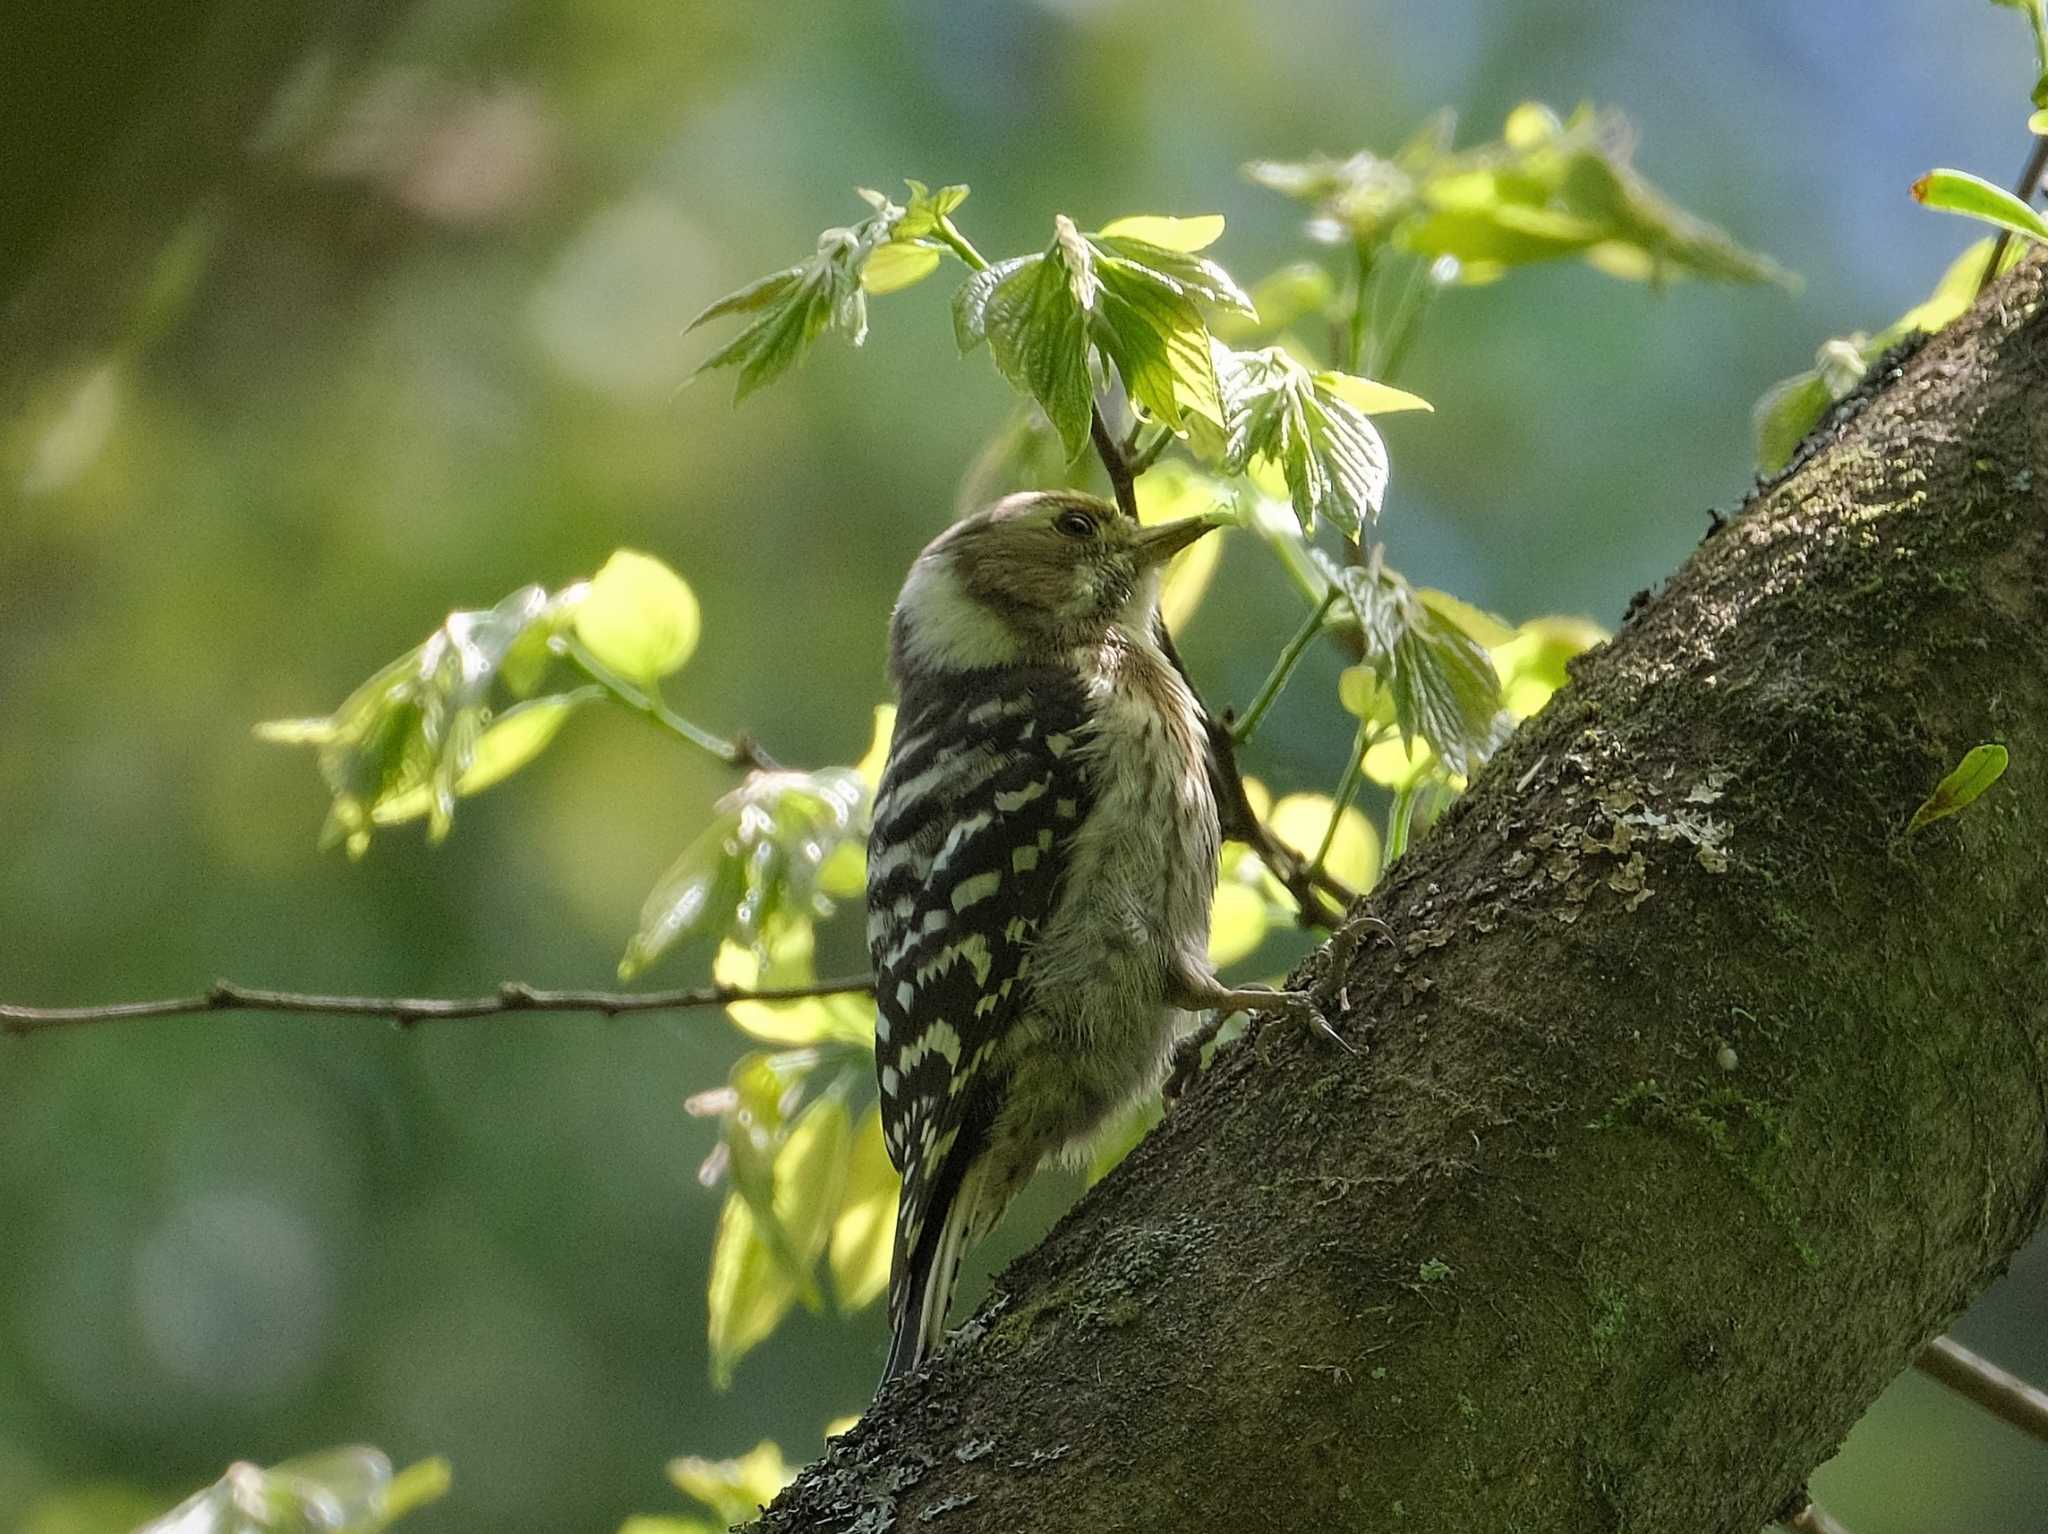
[[2029, 184], [512, 997], [2005, 1396]]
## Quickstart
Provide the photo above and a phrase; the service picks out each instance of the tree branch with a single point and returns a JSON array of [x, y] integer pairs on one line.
[[2005, 1396], [1692, 1097], [514, 997]]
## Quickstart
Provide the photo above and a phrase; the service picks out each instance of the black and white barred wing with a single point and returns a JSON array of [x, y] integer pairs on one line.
[[983, 790]]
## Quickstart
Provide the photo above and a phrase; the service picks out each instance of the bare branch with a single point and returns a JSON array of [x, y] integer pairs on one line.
[[512, 997], [2005, 1396]]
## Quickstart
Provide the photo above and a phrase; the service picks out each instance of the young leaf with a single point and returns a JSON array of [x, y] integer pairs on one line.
[[1184, 234], [1139, 303], [1980, 767], [1441, 680], [864, 1230], [758, 861], [734, 1489], [410, 740], [338, 1491], [1957, 191], [1300, 821], [748, 1293], [848, 1019], [796, 306], [1368, 397], [898, 265], [638, 618], [1331, 455], [1792, 407], [1037, 332]]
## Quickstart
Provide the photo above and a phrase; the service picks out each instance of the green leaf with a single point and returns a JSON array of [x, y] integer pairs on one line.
[[794, 307], [2036, 12], [734, 1489], [864, 1230], [1792, 407], [896, 266], [1183, 234], [2037, 123], [757, 862], [416, 728], [1957, 191], [1368, 397], [927, 210], [1301, 820], [1546, 190], [1238, 922], [1140, 304], [1980, 767], [511, 740], [785, 959], [638, 617], [749, 1291], [1441, 680], [1037, 331], [336, 1491], [1301, 290], [1331, 455]]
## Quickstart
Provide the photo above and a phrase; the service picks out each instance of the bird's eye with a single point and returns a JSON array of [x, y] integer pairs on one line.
[[1075, 524]]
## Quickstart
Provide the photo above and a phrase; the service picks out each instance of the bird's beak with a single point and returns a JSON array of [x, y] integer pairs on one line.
[[1158, 544]]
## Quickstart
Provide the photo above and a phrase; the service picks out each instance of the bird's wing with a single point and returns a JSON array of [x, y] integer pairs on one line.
[[972, 828]]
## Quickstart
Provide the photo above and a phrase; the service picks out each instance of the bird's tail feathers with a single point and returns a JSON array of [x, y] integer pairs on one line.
[[919, 1304]]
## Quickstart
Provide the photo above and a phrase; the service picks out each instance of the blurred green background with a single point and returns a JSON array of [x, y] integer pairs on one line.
[[355, 319]]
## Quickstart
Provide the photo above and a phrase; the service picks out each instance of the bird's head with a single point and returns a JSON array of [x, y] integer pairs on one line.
[[1034, 576]]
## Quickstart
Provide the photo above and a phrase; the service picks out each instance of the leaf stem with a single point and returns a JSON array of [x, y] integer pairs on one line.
[[958, 243], [1246, 726], [1399, 814], [1347, 790], [1361, 305], [740, 751]]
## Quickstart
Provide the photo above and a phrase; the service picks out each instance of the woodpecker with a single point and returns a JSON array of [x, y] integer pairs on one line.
[[1040, 869]]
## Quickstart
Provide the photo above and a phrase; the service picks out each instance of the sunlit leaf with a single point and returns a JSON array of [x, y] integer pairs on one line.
[[896, 266], [1331, 455], [864, 1229], [1368, 397], [1301, 290], [411, 735], [1441, 679], [760, 859], [1980, 767], [336, 1491], [508, 743], [1123, 1135], [1400, 763], [1173, 490], [638, 617], [749, 1292], [735, 1490], [927, 209], [1237, 924], [810, 1176], [847, 1019], [1183, 234], [1532, 662], [1546, 190], [1957, 191], [1302, 820], [1140, 304], [794, 307]]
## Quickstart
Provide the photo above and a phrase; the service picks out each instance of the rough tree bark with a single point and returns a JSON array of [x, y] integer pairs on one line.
[[1693, 1095]]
